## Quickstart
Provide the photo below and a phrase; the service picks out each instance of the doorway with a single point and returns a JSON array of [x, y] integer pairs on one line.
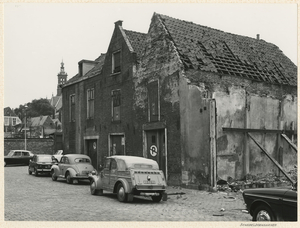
[[92, 151], [156, 147]]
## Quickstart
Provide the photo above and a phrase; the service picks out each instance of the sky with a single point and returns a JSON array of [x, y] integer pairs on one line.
[[39, 36]]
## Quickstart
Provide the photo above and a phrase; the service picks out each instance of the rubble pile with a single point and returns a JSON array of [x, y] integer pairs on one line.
[[256, 181]]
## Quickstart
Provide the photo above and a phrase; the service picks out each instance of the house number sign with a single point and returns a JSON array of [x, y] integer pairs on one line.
[[153, 150]]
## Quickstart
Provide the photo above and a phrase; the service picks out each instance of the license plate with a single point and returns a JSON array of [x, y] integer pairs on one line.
[[149, 182]]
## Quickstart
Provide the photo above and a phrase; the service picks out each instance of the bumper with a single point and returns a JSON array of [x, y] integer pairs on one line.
[[43, 170]]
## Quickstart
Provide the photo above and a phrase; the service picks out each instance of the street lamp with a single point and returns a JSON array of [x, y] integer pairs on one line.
[[25, 127]]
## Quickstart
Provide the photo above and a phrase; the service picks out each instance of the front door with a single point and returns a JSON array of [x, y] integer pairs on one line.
[[156, 147], [92, 151]]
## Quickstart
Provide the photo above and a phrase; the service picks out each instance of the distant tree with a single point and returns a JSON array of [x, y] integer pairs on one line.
[[35, 108]]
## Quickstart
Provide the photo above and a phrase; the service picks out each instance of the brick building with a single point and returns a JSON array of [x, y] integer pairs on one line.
[[187, 96]]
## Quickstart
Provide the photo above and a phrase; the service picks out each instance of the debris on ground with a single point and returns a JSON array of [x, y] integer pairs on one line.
[[256, 181]]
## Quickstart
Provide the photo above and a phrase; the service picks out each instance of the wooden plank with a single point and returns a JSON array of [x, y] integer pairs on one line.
[[290, 142], [272, 159], [257, 130]]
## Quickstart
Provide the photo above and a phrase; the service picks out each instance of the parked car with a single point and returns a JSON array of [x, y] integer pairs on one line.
[[57, 155], [72, 167], [128, 176], [18, 157], [272, 204], [40, 163]]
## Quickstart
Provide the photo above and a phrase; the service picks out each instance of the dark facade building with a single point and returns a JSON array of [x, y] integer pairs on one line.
[[187, 96]]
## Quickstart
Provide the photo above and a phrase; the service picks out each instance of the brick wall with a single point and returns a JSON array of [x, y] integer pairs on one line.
[[36, 146]]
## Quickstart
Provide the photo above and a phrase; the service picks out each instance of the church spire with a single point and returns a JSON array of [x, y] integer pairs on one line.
[[62, 78]]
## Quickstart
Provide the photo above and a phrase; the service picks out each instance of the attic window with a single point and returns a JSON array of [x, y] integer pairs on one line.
[[116, 62]]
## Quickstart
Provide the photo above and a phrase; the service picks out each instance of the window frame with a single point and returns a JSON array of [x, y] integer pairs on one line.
[[90, 100], [113, 107], [116, 69], [71, 106]]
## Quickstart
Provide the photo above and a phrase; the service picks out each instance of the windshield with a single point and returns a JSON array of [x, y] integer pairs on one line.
[[82, 160], [44, 159], [10, 153]]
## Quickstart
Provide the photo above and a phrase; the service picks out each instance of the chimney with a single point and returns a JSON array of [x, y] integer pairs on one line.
[[257, 36], [118, 23]]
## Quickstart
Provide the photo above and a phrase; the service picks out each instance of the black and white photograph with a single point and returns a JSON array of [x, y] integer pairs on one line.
[[149, 112]]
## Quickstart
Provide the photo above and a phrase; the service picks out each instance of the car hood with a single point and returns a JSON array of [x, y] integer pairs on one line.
[[267, 191]]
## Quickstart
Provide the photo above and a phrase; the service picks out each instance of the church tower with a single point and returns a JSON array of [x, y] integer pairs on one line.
[[62, 78]]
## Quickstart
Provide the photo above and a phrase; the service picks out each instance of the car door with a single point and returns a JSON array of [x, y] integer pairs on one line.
[[113, 176], [62, 166], [289, 205], [16, 158], [25, 157], [105, 175]]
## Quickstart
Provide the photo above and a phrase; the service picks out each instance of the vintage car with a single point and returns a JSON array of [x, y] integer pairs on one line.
[[272, 204], [128, 176], [18, 157], [40, 163], [72, 167]]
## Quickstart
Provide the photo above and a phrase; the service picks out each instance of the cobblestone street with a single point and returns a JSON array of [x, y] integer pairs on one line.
[[30, 198]]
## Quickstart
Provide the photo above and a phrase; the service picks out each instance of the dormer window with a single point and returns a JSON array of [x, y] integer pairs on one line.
[[116, 62]]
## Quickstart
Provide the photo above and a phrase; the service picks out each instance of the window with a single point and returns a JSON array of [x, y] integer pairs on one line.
[[90, 103], [72, 108], [153, 102], [116, 104], [116, 62], [14, 121]]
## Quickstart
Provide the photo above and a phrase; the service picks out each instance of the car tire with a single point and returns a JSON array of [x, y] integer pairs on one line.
[[36, 173], [157, 199], [263, 213], [69, 179], [93, 189], [121, 194], [29, 171], [54, 178]]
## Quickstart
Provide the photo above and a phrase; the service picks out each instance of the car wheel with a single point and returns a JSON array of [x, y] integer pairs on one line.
[[54, 178], [93, 189], [69, 179], [157, 199], [36, 172], [263, 213], [29, 171], [121, 193]]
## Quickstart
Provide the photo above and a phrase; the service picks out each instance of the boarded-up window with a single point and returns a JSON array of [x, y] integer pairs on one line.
[[116, 62], [153, 101], [90, 103], [72, 108], [116, 105]]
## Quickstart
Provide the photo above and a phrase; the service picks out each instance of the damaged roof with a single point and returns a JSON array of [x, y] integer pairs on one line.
[[208, 49], [137, 41]]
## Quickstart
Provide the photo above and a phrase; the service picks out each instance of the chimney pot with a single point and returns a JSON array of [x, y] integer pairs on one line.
[[257, 36]]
